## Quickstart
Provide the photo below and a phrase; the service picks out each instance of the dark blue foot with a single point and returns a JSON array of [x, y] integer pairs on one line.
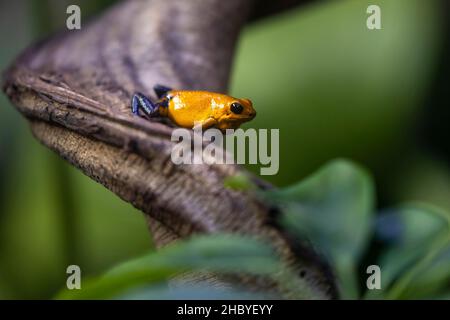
[[161, 91], [139, 101]]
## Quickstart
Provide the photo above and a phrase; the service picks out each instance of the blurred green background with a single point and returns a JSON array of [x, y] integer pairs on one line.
[[332, 87]]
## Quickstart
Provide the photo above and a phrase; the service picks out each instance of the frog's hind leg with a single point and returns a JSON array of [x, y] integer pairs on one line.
[[161, 91], [140, 101]]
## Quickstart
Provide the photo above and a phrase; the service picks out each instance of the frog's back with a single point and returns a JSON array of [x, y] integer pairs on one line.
[[187, 107]]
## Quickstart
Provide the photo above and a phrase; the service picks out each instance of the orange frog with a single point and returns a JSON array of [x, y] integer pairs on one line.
[[188, 108]]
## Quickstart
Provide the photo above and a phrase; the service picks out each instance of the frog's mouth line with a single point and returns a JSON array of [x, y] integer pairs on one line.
[[242, 118]]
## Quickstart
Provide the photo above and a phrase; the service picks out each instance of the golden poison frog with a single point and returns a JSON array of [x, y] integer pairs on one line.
[[189, 108]]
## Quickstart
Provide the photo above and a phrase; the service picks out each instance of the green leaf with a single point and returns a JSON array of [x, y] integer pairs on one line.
[[333, 208], [190, 292], [238, 182], [218, 253], [434, 280], [416, 262], [444, 296]]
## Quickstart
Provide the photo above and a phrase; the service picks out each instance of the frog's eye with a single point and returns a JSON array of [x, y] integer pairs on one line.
[[236, 108]]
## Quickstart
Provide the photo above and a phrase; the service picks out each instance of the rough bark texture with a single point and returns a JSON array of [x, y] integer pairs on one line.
[[75, 89]]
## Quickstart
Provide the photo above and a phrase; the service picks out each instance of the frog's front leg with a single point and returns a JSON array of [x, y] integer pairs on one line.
[[208, 123], [140, 101]]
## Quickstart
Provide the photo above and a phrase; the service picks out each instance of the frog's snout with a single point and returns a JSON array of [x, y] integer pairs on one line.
[[250, 113]]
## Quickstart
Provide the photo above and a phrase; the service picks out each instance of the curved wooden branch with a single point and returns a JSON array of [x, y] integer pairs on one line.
[[75, 89]]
